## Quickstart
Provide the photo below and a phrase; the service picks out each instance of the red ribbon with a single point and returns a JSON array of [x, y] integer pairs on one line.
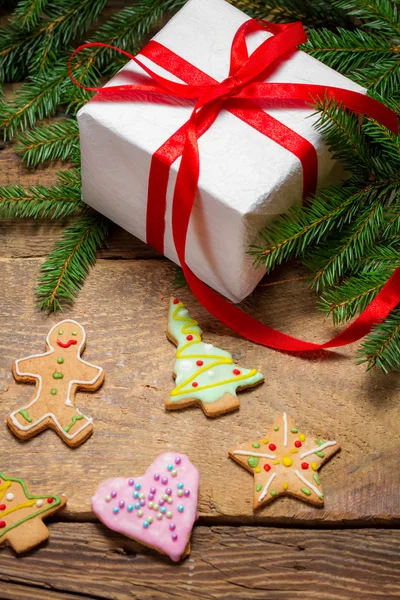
[[239, 94]]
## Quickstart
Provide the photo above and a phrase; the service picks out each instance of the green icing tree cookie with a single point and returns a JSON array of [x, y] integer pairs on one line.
[[21, 514], [203, 374]]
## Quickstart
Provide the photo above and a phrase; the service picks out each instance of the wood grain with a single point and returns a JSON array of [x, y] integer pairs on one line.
[[124, 306], [235, 563]]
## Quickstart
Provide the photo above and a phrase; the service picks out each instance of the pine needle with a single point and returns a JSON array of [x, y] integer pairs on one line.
[[381, 347], [27, 13], [59, 140], [65, 269], [36, 202]]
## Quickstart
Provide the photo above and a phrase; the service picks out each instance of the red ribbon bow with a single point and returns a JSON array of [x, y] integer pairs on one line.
[[237, 94]]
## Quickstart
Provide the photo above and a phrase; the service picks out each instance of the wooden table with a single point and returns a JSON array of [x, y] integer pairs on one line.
[[287, 551]]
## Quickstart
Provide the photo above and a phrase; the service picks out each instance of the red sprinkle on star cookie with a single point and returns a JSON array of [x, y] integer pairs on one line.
[[278, 464]]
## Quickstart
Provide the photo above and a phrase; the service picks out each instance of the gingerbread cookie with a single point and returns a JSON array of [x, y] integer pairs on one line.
[[203, 374], [58, 374], [21, 514], [285, 462], [157, 509]]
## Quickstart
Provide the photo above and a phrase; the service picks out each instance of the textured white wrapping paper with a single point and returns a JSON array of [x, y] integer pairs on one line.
[[246, 179]]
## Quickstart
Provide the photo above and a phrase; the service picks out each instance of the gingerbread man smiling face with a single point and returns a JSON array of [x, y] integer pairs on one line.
[[58, 374]]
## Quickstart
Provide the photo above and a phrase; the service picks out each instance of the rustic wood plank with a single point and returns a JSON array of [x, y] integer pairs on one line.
[[239, 563], [124, 307]]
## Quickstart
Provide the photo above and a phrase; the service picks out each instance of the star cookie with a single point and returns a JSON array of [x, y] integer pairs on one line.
[[285, 462]]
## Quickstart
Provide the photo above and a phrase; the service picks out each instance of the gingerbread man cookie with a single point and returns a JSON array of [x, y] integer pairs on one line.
[[21, 514], [285, 462], [203, 374], [58, 374]]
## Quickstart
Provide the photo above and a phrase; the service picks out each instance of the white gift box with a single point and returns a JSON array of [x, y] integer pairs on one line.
[[246, 179]]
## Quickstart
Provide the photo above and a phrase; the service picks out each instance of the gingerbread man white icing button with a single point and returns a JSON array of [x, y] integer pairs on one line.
[[58, 373]]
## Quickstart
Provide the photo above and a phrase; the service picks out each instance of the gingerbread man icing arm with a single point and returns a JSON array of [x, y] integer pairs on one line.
[[28, 368], [59, 373]]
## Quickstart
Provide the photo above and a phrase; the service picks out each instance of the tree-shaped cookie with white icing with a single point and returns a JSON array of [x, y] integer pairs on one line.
[[203, 374]]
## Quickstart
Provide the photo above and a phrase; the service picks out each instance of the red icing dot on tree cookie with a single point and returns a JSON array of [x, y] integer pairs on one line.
[[272, 447], [236, 372], [50, 500], [2, 524], [3, 507], [189, 337], [267, 468], [195, 384], [176, 301], [297, 444], [199, 363], [304, 465]]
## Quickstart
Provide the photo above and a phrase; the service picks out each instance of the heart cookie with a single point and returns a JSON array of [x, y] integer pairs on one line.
[[157, 509]]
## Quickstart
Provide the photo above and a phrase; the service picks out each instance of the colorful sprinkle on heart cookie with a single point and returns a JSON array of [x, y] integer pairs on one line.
[[157, 509], [21, 514], [58, 373], [285, 461], [203, 374]]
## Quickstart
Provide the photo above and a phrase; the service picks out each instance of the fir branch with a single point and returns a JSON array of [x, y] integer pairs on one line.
[[50, 142], [64, 271], [27, 13], [341, 131], [382, 346], [36, 50], [39, 201], [382, 257], [388, 142], [359, 238], [40, 96], [70, 177], [346, 50], [382, 77], [66, 20], [35, 100], [303, 226], [343, 302], [11, 44], [383, 15]]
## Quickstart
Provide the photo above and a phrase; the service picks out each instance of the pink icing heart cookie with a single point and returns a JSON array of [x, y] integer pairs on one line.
[[157, 509]]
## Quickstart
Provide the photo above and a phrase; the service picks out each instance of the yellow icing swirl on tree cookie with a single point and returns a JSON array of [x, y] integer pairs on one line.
[[181, 327]]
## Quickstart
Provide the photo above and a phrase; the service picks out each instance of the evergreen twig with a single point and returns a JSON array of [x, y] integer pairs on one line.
[[39, 201], [65, 269], [27, 13], [50, 142], [381, 347]]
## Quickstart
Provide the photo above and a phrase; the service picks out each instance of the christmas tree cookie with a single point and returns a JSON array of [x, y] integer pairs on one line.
[[21, 514], [285, 462], [203, 374], [157, 509], [58, 374]]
